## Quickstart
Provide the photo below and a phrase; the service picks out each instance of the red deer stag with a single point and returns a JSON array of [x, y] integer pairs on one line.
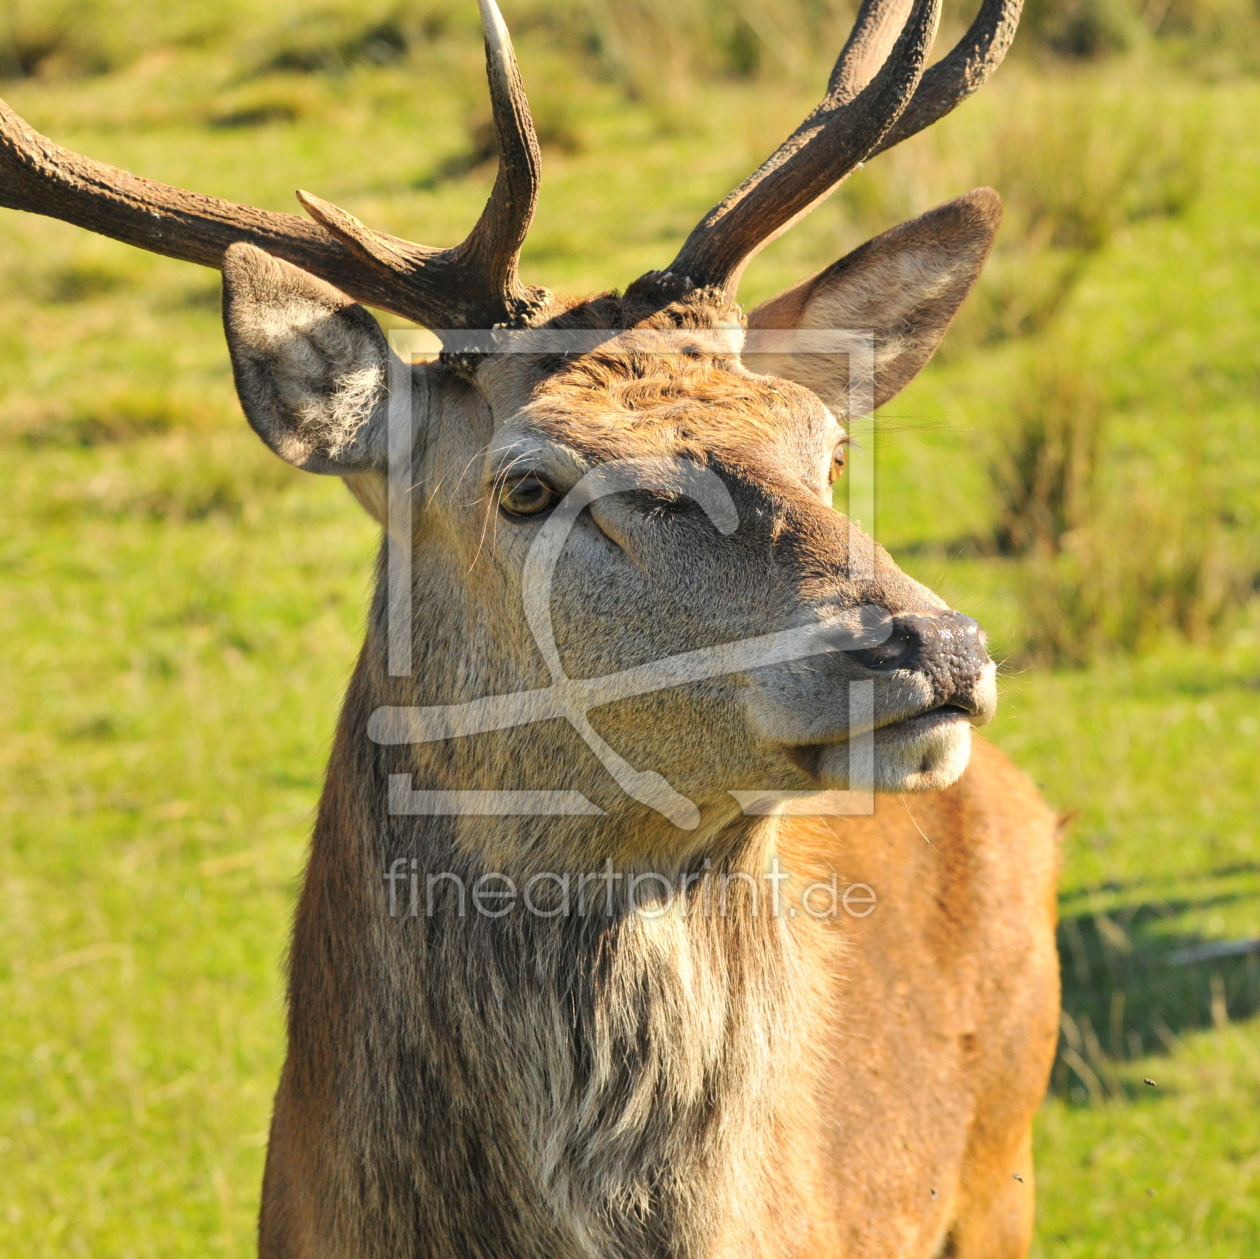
[[517, 1033]]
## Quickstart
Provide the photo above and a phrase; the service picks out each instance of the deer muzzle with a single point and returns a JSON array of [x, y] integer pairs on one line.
[[948, 649]]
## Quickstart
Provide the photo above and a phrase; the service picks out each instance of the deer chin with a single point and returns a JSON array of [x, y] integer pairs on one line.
[[924, 753]]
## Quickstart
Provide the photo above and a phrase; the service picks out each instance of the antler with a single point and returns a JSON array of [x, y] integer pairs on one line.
[[473, 285], [876, 98], [955, 77]]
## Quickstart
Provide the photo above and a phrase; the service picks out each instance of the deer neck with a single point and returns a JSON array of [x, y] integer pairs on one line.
[[604, 1069]]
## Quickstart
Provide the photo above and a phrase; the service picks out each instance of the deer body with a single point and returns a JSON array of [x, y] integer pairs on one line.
[[626, 589]]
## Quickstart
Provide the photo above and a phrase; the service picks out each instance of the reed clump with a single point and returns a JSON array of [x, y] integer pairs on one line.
[[1111, 544], [1149, 564]]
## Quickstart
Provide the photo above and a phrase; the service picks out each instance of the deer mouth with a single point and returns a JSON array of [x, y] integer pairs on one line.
[[941, 714], [924, 738]]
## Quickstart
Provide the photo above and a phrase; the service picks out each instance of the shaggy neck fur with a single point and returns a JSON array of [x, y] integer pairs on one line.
[[613, 1083]]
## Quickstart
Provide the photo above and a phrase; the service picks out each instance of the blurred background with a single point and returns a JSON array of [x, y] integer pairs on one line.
[[1079, 468]]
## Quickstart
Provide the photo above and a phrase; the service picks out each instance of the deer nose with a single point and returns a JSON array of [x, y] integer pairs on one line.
[[948, 647]]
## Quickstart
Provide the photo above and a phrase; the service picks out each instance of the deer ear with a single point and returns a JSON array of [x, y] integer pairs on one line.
[[904, 286], [310, 365]]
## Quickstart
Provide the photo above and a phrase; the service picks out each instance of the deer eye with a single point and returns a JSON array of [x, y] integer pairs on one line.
[[528, 496], [838, 460]]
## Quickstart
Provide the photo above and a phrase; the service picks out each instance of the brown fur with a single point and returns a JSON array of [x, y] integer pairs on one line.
[[947, 1017]]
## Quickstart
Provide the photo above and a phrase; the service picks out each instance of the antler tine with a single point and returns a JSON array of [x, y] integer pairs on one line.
[[965, 70], [500, 232], [875, 30], [821, 152], [481, 270], [473, 285]]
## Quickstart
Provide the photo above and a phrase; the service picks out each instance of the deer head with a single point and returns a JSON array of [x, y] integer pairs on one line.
[[676, 479]]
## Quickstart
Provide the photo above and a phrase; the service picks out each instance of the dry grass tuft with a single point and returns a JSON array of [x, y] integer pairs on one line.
[[1044, 458], [1151, 561]]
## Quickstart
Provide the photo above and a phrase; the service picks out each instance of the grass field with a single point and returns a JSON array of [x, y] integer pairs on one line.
[[179, 611]]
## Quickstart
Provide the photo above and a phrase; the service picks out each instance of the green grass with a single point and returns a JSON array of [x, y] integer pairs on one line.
[[179, 611], [171, 691]]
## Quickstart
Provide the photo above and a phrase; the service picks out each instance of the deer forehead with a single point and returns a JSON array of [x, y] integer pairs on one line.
[[708, 412]]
